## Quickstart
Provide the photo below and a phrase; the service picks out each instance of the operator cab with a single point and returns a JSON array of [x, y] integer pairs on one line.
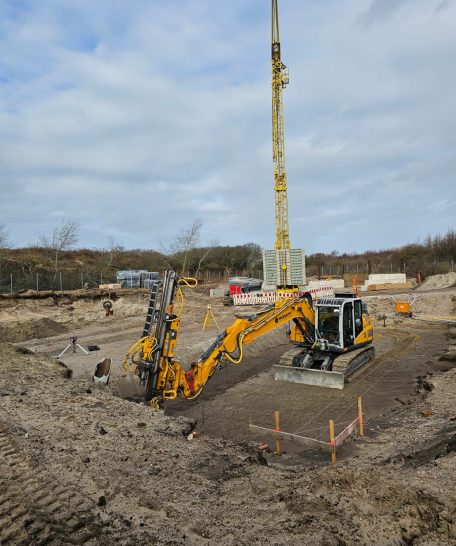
[[339, 321]]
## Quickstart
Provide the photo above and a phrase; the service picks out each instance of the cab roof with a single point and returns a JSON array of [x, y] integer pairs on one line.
[[334, 302]]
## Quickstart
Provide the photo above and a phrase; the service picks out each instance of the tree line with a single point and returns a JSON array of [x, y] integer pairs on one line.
[[57, 251], [436, 254]]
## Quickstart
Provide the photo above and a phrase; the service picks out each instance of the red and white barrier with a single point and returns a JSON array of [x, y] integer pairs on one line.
[[259, 298]]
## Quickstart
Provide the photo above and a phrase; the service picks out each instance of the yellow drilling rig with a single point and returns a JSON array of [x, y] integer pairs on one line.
[[283, 267]]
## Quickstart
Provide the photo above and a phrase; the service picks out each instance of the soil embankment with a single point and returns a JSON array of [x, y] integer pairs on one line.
[[83, 467]]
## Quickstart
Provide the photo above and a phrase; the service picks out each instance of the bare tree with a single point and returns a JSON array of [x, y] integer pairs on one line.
[[254, 258], [28, 269], [63, 237], [4, 244], [4, 239], [187, 239], [205, 253], [114, 247], [165, 255]]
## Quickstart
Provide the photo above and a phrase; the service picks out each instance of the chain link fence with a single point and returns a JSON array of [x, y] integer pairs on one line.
[[65, 280], [11, 282], [410, 268], [72, 280]]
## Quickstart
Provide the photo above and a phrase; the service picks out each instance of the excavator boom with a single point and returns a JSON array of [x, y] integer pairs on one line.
[[229, 345]]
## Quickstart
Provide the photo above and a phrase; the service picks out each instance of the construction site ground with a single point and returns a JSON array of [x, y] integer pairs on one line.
[[82, 464]]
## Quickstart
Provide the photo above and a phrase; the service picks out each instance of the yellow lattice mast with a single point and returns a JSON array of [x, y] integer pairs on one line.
[[279, 81]]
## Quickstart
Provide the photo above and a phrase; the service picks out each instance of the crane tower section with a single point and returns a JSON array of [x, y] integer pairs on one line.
[[280, 80], [283, 267]]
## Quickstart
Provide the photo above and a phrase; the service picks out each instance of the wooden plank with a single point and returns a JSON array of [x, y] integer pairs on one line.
[[342, 436], [360, 416], [308, 442], [112, 286]]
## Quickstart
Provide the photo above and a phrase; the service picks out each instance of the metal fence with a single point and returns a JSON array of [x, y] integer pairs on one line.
[[11, 282], [72, 280], [410, 268], [64, 280]]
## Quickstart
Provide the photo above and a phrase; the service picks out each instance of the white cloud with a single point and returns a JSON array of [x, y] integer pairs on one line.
[[137, 118]]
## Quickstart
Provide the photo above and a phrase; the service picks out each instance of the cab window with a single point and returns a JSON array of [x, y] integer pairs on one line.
[[358, 317], [328, 323]]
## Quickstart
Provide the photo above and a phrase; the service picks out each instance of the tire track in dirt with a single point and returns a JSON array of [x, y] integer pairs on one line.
[[389, 377], [36, 511], [365, 379], [387, 384]]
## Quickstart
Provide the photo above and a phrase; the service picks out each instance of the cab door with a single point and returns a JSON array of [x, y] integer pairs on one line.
[[358, 314], [348, 330]]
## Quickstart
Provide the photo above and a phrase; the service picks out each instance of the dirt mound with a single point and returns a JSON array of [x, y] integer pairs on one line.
[[446, 280], [72, 295], [450, 354], [31, 329]]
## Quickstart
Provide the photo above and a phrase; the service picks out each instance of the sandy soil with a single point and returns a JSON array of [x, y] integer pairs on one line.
[[72, 308], [437, 302], [388, 383], [80, 465], [445, 280]]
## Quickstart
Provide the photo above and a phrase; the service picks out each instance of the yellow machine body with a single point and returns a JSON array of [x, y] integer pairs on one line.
[[336, 327]]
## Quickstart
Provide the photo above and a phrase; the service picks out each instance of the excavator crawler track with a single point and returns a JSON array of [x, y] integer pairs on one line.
[[350, 364], [289, 357]]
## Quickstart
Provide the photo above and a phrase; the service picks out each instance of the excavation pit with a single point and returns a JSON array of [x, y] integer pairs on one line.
[[247, 393]]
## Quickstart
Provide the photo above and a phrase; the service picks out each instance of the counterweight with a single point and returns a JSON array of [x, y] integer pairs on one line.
[[279, 81]]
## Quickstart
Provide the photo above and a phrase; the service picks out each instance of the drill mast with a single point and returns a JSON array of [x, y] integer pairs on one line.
[[279, 81]]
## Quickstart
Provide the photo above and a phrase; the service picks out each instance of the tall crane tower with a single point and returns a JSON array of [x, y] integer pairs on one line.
[[284, 267], [280, 80]]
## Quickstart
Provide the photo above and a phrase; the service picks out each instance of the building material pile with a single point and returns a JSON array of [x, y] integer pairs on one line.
[[334, 283], [385, 281], [284, 267]]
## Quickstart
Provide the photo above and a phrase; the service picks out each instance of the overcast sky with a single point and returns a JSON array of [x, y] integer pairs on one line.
[[136, 117]]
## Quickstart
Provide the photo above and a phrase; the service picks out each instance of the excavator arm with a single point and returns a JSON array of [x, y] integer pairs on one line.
[[229, 346]]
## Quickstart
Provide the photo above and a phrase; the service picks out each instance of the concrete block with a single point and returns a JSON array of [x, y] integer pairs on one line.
[[334, 283], [389, 286], [383, 278], [218, 292]]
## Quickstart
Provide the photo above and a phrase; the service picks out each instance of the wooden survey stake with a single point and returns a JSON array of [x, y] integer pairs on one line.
[[332, 441], [278, 441]]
